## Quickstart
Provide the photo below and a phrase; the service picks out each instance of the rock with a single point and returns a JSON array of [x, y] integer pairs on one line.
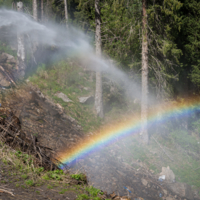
[[144, 182], [11, 61], [169, 198], [3, 81], [9, 57], [8, 66], [165, 191], [63, 97], [169, 174], [3, 58], [88, 99], [182, 190], [86, 88]]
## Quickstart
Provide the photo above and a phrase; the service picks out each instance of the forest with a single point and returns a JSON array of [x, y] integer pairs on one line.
[[117, 77]]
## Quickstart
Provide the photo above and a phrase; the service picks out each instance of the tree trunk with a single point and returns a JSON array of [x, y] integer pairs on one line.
[[144, 103], [35, 17], [20, 48], [66, 13], [98, 95], [42, 10]]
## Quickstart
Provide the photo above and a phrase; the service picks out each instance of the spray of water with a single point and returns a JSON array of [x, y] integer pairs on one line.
[[74, 41]]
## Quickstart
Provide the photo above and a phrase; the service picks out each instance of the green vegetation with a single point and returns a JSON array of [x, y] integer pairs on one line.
[[80, 177], [92, 194], [24, 175], [178, 144], [6, 49], [70, 80]]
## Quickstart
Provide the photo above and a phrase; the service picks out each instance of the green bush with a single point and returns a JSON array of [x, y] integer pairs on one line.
[[80, 177]]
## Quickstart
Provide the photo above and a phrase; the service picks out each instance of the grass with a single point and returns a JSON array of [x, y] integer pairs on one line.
[[180, 145], [80, 177], [92, 193], [6, 49], [70, 80], [23, 173]]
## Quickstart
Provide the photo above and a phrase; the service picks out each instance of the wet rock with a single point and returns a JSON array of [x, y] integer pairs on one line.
[[144, 182], [63, 96], [9, 57], [169, 198], [165, 191], [3, 80], [3, 58], [8, 66], [169, 174], [88, 99], [181, 189]]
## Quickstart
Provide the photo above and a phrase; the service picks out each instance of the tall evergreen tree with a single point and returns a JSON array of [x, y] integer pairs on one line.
[[144, 102], [188, 40], [20, 48], [66, 13], [35, 11], [98, 94]]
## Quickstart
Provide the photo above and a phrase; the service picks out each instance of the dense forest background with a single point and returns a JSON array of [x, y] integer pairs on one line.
[[173, 37]]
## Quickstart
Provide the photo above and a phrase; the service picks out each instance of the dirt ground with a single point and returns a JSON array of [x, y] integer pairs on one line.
[[15, 188]]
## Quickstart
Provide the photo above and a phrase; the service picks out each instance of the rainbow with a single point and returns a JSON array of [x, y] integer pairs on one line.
[[132, 126]]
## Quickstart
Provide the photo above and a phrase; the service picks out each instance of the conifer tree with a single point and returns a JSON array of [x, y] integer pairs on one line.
[[98, 94], [66, 13], [35, 13], [20, 48], [144, 102]]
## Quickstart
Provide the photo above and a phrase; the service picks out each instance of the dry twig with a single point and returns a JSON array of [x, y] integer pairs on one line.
[[6, 191]]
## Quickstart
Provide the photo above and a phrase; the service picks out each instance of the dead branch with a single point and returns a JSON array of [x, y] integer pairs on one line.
[[2, 69], [6, 191]]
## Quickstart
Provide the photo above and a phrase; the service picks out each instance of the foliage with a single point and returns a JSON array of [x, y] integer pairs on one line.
[[188, 40], [93, 194], [6, 49], [185, 140], [80, 177], [71, 80], [55, 175]]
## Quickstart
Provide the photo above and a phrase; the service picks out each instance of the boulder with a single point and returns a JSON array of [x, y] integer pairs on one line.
[[144, 182], [168, 173], [63, 96], [181, 189], [10, 59], [3, 80], [88, 99], [8, 66], [3, 58]]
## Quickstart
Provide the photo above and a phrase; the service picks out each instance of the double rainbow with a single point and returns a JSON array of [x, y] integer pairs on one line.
[[132, 126]]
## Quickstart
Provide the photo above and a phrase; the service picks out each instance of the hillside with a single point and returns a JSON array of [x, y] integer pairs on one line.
[[57, 124]]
